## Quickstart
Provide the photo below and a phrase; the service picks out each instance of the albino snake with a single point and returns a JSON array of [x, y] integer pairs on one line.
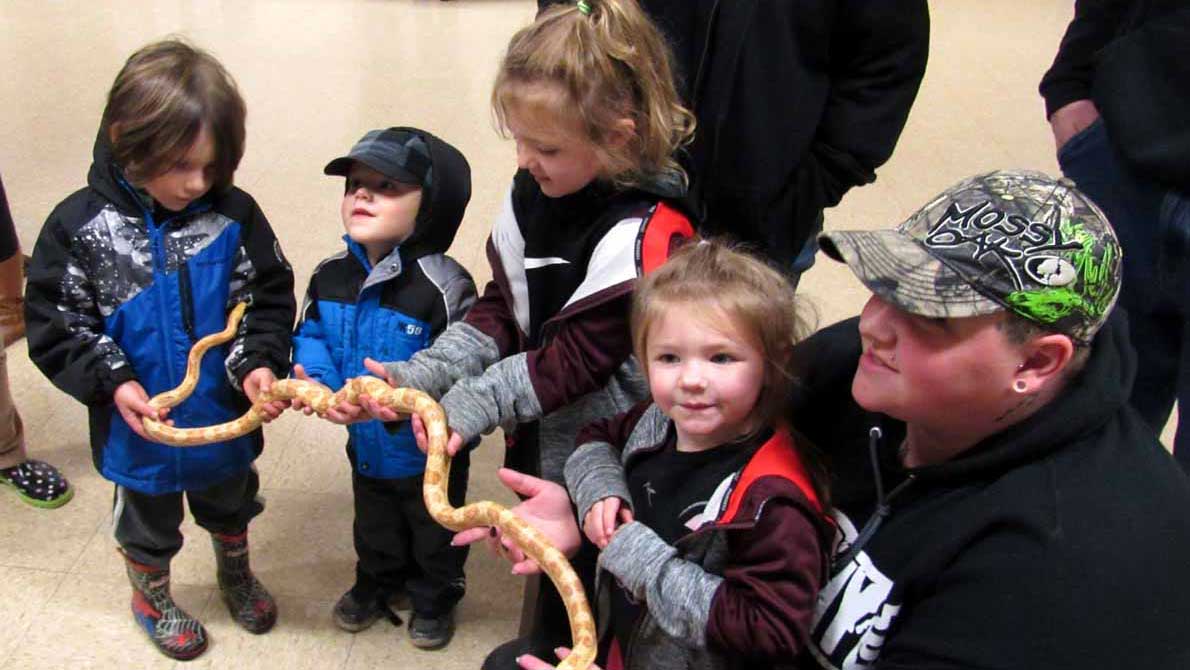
[[405, 401]]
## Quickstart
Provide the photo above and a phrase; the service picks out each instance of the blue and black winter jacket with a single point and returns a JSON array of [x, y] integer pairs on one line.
[[391, 311], [120, 291]]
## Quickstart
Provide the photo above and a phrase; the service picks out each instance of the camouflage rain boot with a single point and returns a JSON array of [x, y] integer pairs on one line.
[[174, 632], [249, 603]]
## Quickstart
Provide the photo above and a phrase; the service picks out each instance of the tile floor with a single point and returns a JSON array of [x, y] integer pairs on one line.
[[315, 75]]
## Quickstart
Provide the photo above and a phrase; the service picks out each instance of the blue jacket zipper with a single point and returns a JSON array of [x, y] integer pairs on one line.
[[157, 246]]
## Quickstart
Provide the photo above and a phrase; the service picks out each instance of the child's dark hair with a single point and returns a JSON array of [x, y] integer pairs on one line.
[[753, 300], [610, 63], [163, 96]]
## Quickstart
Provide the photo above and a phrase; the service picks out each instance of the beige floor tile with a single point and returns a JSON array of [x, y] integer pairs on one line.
[[305, 454], [50, 539], [23, 594], [89, 624]]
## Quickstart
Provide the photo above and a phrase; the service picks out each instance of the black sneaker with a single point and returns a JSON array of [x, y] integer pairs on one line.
[[356, 612], [38, 483], [431, 632]]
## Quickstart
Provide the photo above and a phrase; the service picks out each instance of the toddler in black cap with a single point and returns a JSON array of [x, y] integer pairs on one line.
[[387, 296]]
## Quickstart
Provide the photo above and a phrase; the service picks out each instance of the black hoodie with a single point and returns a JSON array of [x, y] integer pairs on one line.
[[442, 203], [1062, 542]]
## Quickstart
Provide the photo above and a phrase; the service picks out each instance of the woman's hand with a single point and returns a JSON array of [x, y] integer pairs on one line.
[[546, 507], [530, 662], [604, 518]]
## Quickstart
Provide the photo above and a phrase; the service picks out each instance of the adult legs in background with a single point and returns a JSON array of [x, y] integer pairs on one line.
[[1153, 225]]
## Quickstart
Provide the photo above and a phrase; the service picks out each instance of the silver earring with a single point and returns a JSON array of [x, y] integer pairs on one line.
[[1020, 386]]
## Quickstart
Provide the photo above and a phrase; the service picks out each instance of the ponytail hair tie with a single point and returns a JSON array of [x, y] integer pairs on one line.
[[584, 7]]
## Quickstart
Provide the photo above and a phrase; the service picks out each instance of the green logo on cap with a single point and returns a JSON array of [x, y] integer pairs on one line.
[[1091, 293]]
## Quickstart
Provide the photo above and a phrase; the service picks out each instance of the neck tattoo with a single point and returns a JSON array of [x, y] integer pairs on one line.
[[1024, 402]]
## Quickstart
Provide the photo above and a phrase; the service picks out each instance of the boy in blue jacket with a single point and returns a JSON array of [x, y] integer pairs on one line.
[[387, 296], [128, 273]]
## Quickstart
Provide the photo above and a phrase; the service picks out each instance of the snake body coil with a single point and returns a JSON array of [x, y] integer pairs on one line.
[[405, 401]]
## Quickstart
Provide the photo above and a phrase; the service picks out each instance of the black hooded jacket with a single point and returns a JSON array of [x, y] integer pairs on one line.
[[1062, 542], [1132, 58], [120, 290]]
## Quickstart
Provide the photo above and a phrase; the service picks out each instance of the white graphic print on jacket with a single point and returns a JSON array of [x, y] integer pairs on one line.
[[852, 614]]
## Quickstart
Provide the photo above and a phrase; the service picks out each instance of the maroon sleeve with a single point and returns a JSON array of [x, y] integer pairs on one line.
[[581, 355], [764, 606], [491, 315], [613, 430]]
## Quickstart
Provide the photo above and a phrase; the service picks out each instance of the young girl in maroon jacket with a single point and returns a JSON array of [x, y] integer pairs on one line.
[[708, 513]]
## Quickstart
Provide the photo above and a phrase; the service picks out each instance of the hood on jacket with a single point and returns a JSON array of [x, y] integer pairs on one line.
[[442, 203], [105, 177]]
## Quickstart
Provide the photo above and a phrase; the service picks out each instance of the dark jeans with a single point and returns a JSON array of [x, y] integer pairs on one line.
[[805, 258], [1153, 225], [401, 547], [146, 526]]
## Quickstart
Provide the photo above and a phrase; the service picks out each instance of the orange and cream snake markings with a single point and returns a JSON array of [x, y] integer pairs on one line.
[[405, 401]]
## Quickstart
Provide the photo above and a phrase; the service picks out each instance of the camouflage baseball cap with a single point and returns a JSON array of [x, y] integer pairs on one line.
[[1014, 239]]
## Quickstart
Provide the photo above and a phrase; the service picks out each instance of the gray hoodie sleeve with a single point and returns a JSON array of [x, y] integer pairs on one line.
[[502, 396], [677, 592], [461, 351], [594, 472]]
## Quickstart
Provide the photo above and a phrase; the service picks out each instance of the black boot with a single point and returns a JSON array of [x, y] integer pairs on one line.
[[250, 604], [361, 607]]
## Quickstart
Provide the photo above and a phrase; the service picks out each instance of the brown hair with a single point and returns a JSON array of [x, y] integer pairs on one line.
[[712, 279], [162, 97], [609, 65], [715, 281]]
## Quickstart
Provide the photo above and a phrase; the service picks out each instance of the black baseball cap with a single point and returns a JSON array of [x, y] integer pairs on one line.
[[396, 153]]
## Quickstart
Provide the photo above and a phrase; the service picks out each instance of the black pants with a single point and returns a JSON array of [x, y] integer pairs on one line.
[[401, 547], [147, 526]]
